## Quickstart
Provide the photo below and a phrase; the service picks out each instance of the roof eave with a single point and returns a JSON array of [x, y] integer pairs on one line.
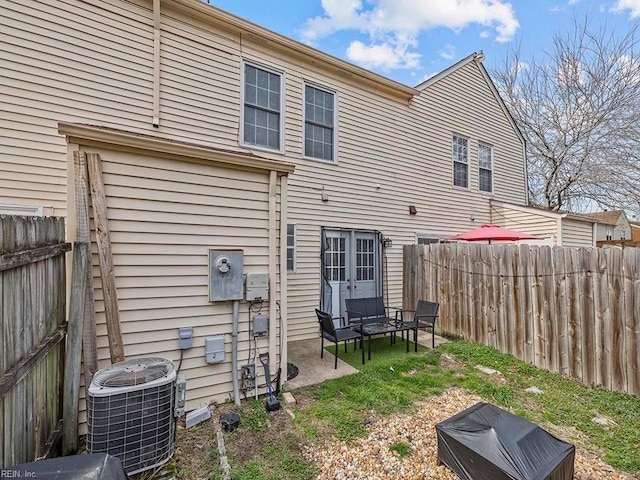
[[92, 135], [200, 9]]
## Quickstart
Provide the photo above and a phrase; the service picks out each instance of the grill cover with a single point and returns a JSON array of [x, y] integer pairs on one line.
[[485, 442], [97, 466]]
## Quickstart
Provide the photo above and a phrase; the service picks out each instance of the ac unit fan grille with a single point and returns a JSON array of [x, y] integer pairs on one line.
[[133, 372], [135, 426]]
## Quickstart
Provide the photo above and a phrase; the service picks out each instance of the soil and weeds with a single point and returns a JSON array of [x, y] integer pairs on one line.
[[604, 425]]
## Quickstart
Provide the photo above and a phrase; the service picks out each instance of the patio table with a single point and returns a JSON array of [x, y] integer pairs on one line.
[[379, 328]]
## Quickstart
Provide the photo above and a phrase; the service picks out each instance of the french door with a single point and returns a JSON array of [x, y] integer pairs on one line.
[[351, 267]]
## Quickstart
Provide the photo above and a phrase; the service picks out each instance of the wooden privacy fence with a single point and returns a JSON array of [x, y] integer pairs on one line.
[[32, 330], [569, 310]]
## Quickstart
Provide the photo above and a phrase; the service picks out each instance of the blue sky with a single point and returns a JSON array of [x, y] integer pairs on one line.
[[410, 40]]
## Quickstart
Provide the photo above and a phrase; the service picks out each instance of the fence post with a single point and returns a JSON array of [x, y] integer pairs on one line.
[[81, 252]]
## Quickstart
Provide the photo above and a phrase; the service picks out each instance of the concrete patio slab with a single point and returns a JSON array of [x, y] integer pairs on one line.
[[305, 354]]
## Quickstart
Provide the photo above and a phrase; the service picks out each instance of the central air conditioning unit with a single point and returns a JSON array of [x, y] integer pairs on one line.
[[131, 408]]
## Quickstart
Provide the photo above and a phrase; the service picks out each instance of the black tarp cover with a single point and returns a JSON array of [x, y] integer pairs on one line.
[[485, 442], [96, 466]]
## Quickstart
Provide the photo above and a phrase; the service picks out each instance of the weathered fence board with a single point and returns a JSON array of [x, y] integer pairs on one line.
[[572, 311], [32, 318]]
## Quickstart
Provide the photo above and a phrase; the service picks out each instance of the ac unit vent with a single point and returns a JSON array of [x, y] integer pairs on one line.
[[133, 372], [131, 408]]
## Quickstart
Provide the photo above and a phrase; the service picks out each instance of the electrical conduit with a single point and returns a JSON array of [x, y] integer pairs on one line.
[[234, 352]]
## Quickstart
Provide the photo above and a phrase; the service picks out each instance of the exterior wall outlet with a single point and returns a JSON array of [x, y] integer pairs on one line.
[[185, 337], [248, 375]]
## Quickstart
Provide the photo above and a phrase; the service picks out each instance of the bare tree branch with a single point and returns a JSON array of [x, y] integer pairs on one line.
[[578, 107]]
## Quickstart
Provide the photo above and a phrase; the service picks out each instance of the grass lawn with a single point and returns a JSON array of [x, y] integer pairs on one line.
[[268, 446]]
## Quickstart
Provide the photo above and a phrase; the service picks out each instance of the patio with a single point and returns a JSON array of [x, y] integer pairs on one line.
[[313, 370]]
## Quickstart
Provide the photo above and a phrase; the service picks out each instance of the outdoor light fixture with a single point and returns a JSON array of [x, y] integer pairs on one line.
[[324, 196], [412, 210], [386, 242]]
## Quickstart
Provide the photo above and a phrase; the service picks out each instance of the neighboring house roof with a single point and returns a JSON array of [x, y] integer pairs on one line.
[[478, 57], [227, 21], [540, 210], [609, 217]]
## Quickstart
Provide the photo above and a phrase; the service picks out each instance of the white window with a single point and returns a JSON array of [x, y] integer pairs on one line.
[[609, 233], [22, 210], [319, 123], [291, 248], [427, 240], [262, 109], [460, 161], [485, 168]]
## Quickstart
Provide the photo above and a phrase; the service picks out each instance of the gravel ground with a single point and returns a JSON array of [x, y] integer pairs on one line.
[[370, 458]]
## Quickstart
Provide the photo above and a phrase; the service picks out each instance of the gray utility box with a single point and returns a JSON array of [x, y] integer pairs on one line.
[[257, 286], [214, 349], [226, 276]]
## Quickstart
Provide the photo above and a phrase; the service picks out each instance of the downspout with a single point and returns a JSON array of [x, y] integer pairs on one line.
[[156, 64], [283, 276], [234, 352], [273, 314], [594, 234]]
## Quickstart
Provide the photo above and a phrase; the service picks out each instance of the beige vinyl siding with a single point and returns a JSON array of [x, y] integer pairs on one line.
[[406, 151], [164, 216], [462, 103], [577, 234], [91, 62], [527, 222], [65, 60]]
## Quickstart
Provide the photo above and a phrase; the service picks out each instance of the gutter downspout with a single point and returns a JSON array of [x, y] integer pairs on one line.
[[283, 276], [234, 352], [559, 230], [156, 64], [273, 273]]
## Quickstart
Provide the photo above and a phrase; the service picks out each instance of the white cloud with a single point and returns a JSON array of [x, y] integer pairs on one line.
[[448, 52], [394, 25], [632, 5], [383, 56]]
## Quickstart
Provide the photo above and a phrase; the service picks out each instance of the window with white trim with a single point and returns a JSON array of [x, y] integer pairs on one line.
[[609, 233], [460, 161], [485, 168], [427, 240], [319, 123], [291, 248], [262, 116]]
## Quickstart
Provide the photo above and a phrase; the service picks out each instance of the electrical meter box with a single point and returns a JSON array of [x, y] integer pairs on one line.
[[257, 286], [226, 275], [214, 349]]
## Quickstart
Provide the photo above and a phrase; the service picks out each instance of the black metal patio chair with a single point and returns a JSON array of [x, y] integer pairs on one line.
[[424, 317], [336, 335]]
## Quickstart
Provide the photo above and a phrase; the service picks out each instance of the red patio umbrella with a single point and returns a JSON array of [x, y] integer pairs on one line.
[[492, 232]]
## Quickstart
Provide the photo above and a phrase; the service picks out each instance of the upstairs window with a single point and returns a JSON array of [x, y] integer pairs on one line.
[[319, 123], [485, 168], [262, 115], [460, 161]]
